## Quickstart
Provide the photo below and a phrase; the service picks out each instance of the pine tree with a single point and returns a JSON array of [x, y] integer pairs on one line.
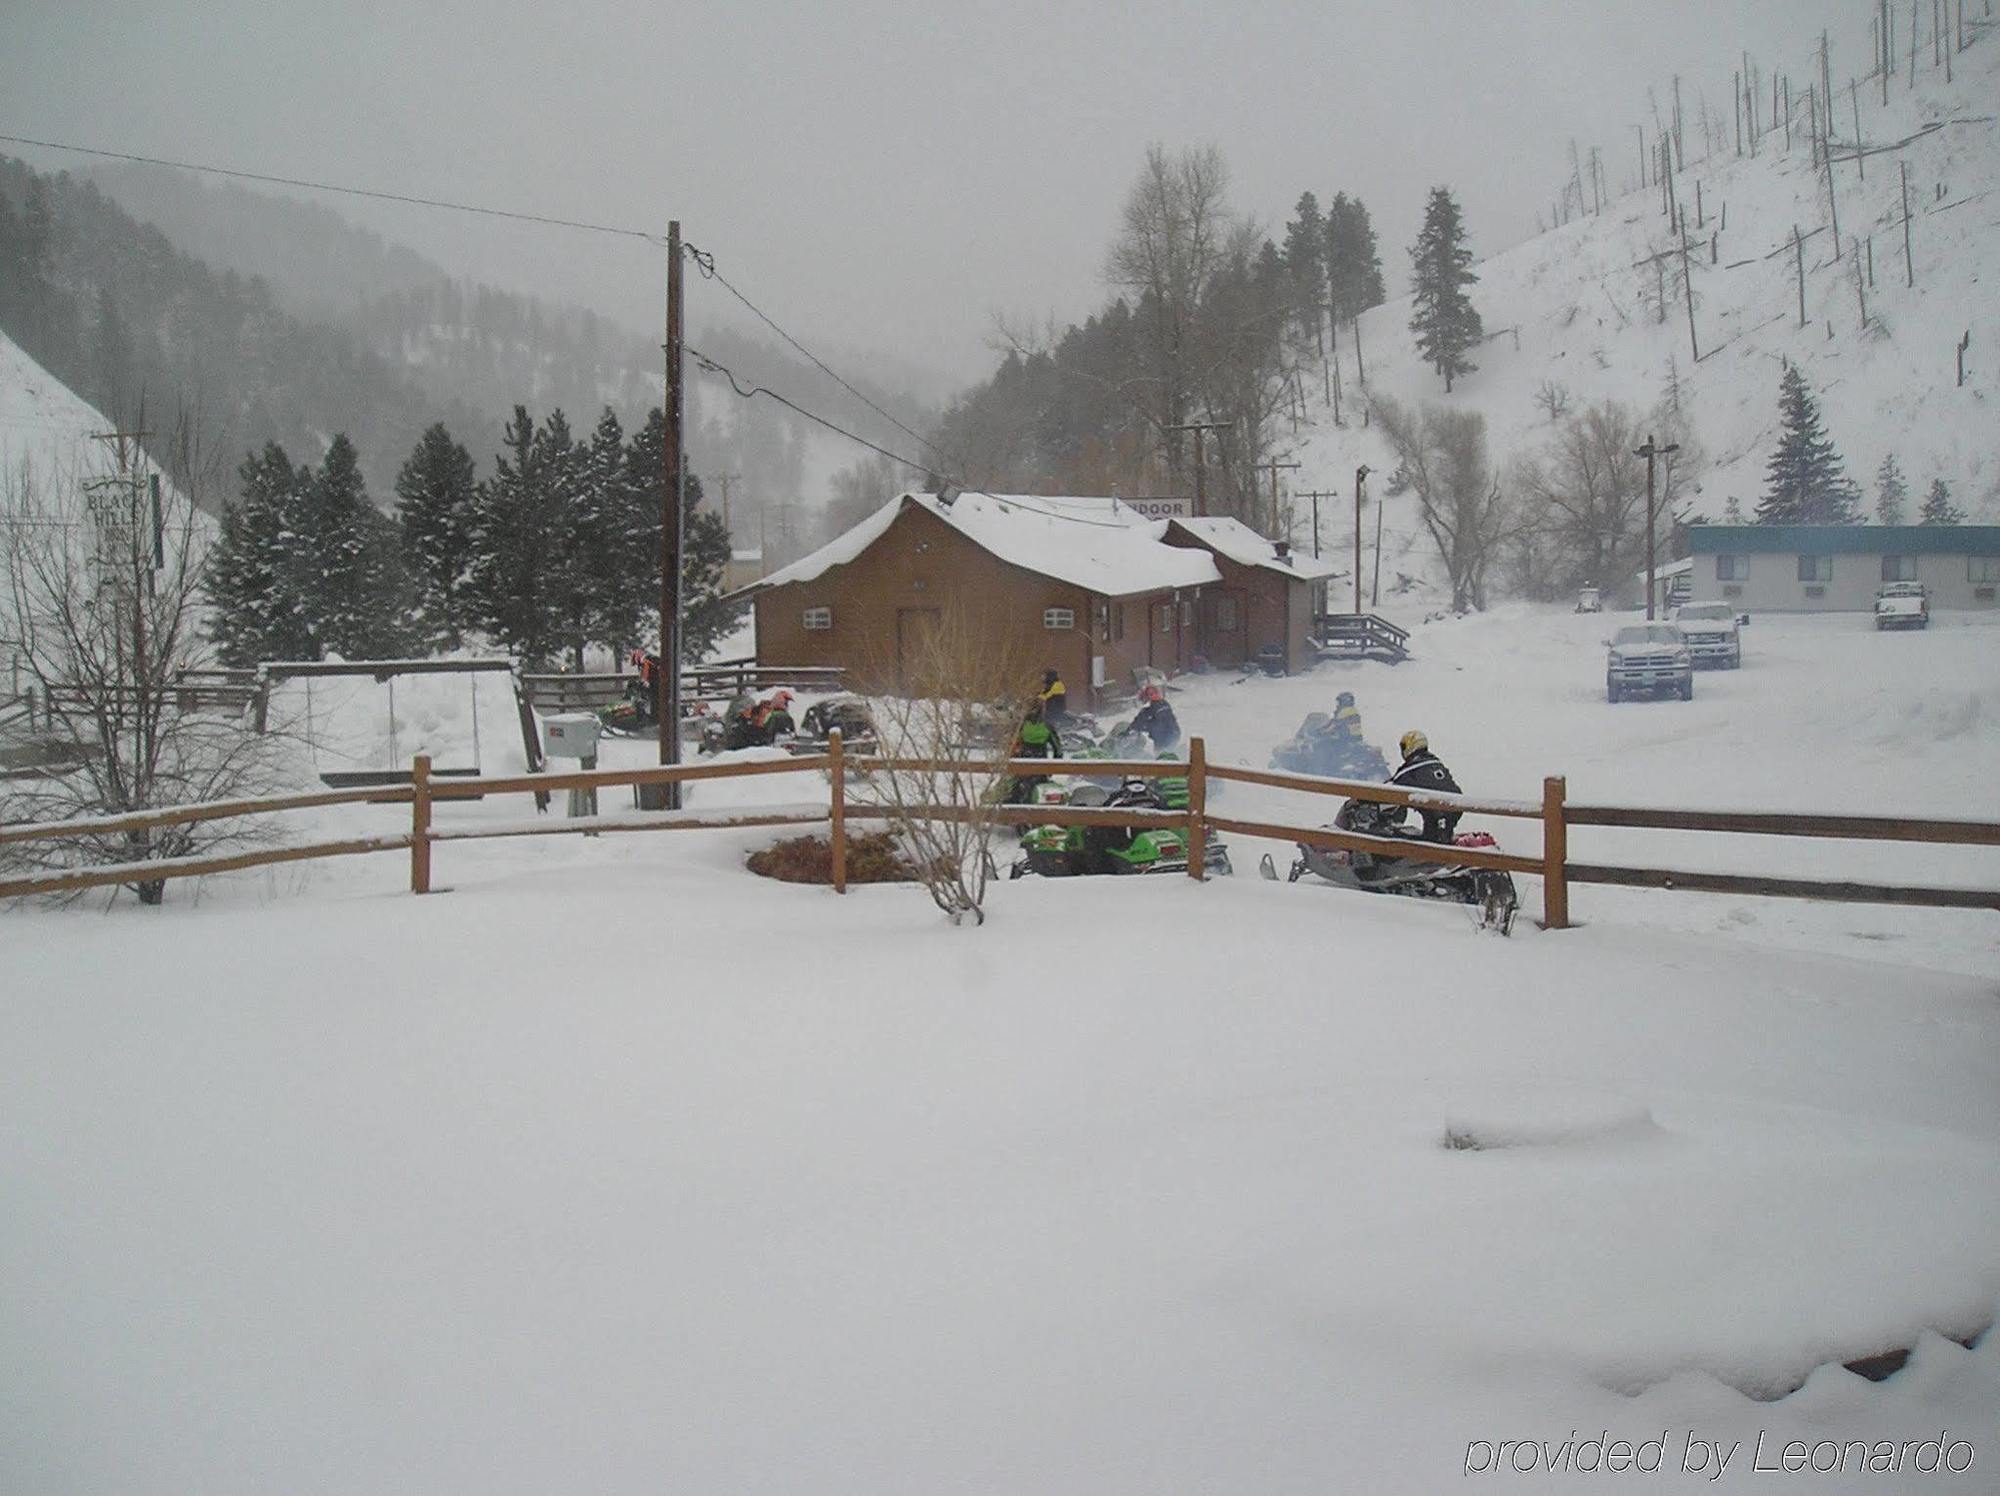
[[253, 583], [509, 584], [353, 592], [1353, 267], [1305, 267], [1938, 508], [1446, 323], [1890, 491], [1806, 482], [704, 545], [436, 506]]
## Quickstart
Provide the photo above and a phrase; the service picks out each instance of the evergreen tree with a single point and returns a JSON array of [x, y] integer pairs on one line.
[[1938, 508], [509, 584], [353, 592], [1806, 483], [704, 546], [437, 498], [1446, 323], [1353, 267], [1890, 491], [1305, 267], [253, 582]]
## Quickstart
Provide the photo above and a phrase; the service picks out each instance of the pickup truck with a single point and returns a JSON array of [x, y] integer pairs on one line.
[[1903, 605], [1711, 630], [1648, 657]]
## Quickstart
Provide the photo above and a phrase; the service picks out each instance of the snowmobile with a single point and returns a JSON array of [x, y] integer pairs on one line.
[[637, 716], [1082, 851], [1490, 890], [1313, 750], [847, 712]]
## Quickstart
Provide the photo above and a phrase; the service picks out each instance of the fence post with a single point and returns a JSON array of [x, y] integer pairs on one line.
[[1197, 842], [420, 825], [1555, 855], [837, 773]]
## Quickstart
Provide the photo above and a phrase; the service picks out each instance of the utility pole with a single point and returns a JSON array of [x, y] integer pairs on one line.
[[1200, 458], [723, 480], [1274, 465], [1687, 285], [1650, 452], [1375, 587], [1360, 477], [1909, 266], [1316, 495], [674, 483]]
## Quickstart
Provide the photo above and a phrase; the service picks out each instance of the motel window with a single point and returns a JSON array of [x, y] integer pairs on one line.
[[818, 619], [1058, 618], [1815, 568], [1899, 568], [1731, 568], [1982, 568]]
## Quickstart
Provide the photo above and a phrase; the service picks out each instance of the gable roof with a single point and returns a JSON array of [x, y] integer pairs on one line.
[[1095, 544], [1232, 538]]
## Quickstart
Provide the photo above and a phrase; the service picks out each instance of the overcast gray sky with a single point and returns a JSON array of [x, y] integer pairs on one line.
[[879, 174]]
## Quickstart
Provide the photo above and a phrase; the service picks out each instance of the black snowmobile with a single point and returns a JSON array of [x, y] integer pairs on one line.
[[1490, 890], [1314, 750]]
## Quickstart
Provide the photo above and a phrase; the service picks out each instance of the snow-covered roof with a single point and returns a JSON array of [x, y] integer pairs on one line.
[[1667, 569], [1096, 544], [1230, 537]]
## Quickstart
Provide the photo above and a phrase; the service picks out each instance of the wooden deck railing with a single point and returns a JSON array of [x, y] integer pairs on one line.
[[1197, 823]]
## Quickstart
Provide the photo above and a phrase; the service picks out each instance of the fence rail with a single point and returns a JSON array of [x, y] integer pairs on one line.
[[1196, 823]]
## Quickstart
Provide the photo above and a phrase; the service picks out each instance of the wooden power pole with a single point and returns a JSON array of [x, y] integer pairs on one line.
[[674, 483], [1360, 477], [1200, 428], [1274, 465], [1650, 452]]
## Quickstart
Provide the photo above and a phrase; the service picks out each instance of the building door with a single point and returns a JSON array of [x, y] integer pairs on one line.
[[1225, 617], [916, 650]]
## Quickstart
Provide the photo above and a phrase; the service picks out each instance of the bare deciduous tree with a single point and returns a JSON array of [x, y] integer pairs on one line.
[[1441, 456], [102, 576], [1583, 498], [962, 682]]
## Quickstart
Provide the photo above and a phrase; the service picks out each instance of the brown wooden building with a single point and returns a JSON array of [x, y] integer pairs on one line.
[[1266, 599], [1085, 586]]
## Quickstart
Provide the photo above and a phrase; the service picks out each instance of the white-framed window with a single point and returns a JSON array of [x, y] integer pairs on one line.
[[1166, 616], [1899, 568], [1815, 568], [1730, 568], [1059, 618], [1982, 568], [817, 620]]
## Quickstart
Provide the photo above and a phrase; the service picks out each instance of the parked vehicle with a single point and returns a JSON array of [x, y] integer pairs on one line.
[[1903, 605], [1589, 600], [1711, 633], [1648, 657]]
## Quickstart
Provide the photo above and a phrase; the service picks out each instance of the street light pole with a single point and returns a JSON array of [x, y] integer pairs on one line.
[[1360, 477], [1650, 452]]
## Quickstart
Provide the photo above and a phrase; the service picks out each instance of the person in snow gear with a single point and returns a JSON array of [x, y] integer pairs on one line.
[[1155, 718], [1345, 723], [1054, 698], [1422, 769], [1037, 738], [764, 722]]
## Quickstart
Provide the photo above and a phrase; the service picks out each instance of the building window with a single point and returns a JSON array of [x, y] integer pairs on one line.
[[1118, 620], [818, 619], [1187, 614], [1059, 618], [1899, 568], [1732, 591], [1815, 568], [1103, 620], [1225, 615], [1165, 611], [1982, 568], [1731, 568]]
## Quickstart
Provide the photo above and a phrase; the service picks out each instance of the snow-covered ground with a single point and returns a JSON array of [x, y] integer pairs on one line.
[[616, 1168]]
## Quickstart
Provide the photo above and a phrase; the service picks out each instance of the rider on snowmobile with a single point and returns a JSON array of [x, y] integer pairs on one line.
[[1346, 719], [1155, 718], [1054, 697], [1422, 769], [1037, 738]]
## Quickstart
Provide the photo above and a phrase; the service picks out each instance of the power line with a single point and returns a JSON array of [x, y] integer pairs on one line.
[[705, 263], [390, 197], [709, 365]]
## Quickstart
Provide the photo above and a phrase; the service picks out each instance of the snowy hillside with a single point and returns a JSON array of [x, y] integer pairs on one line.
[[1577, 306]]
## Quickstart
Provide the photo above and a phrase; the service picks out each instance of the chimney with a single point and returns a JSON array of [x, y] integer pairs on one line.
[[1284, 548]]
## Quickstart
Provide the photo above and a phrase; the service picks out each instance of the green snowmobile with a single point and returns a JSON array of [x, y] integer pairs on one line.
[[1083, 851]]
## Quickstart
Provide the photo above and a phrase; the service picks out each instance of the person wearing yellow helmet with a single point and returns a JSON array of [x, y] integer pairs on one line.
[[1422, 769]]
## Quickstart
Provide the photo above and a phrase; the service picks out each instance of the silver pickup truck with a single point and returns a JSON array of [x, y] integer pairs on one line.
[[1648, 657], [1713, 633]]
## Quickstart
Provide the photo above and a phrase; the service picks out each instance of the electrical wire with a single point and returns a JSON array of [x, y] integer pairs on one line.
[[389, 197], [705, 263], [711, 366]]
